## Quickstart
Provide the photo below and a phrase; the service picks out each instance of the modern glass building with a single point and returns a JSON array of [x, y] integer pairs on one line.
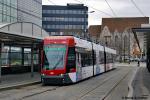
[[30, 11], [20, 31], [65, 20], [8, 11], [21, 11]]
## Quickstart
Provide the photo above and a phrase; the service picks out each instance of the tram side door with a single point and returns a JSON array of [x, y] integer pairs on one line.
[[78, 66]]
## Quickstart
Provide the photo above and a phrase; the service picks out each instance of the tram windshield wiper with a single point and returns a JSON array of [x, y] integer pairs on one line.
[[58, 63]]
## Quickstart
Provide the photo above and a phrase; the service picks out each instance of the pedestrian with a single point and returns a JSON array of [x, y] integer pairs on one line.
[[138, 62]]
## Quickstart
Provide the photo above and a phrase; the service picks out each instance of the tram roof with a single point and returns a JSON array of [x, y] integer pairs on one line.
[[59, 37], [84, 43], [109, 50]]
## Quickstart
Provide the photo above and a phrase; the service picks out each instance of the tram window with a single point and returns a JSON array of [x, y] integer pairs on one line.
[[101, 57], [83, 59], [86, 59], [45, 61], [86, 56], [109, 58], [94, 57], [89, 59], [112, 57], [71, 57]]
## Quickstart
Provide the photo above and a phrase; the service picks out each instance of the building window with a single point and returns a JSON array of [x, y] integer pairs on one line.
[[4, 18], [8, 2], [43, 11], [8, 18], [0, 17], [1, 6], [8, 11], [70, 26], [14, 3]]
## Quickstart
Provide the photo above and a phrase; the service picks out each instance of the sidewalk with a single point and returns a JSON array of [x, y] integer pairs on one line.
[[141, 84], [131, 64], [18, 80]]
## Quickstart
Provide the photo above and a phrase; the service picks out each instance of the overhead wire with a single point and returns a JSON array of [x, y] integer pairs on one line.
[[132, 1], [52, 2], [138, 8], [110, 8], [94, 8]]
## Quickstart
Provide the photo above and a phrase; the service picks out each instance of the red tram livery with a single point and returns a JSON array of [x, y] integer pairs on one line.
[[67, 59]]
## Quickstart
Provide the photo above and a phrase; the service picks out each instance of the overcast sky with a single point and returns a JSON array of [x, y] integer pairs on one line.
[[121, 8]]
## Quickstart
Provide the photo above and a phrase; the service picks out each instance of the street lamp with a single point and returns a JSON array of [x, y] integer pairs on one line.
[[91, 12], [90, 39], [124, 48], [85, 30], [129, 31]]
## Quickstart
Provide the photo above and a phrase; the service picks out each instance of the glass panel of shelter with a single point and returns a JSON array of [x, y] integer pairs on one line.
[[12, 56]]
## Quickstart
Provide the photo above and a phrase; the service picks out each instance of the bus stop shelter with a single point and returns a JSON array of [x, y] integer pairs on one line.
[[145, 32], [18, 36]]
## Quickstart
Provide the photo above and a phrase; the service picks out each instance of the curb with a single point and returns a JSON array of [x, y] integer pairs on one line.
[[130, 87], [19, 85]]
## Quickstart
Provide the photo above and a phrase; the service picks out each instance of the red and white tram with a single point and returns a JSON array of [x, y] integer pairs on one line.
[[67, 59]]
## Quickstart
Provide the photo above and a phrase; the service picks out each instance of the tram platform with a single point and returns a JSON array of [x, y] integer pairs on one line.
[[141, 84], [18, 80], [131, 64]]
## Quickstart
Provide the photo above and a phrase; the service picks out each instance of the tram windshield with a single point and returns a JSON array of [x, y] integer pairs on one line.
[[54, 56]]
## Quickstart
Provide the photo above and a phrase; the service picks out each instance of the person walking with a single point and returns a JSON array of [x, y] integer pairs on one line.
[[138, 62]]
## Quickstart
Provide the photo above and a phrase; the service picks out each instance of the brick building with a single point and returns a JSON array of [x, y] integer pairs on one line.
[[116, 33], [94, 32]]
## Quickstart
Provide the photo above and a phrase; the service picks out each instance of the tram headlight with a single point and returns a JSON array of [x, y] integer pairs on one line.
[[43, 74], [61, 74]]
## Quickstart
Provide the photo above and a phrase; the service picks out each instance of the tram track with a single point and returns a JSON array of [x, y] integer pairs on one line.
[[41, 92], [51, 89], [80, 98], [48, 90], [28, 96], [29, 89], [35, 90], [100, 85], [117, 83]]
